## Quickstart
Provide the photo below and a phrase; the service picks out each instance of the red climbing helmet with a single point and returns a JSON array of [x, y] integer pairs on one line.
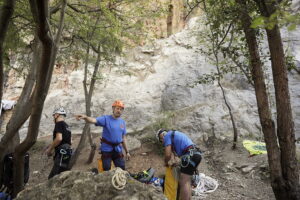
[[118, 103]]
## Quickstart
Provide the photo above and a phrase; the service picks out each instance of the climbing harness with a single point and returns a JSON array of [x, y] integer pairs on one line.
[[114, 145], [63, 152], [119, 179], [103, 140], [186, 158], [205, 185], [188, 153]]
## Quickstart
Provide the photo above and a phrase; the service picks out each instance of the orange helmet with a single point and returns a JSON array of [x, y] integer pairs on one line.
[[118, 103]]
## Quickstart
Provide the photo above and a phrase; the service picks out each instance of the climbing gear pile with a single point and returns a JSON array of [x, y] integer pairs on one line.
[[157, 181], [119, 179], [144, 176]]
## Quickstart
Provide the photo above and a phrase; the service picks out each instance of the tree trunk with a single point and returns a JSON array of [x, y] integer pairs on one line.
[[86, 128], [88, 105], [235, 132], [39, 9], [285, 123], [93, 148], [88, 98], [216, 48], [22, 110], [274, 157], [80, 145]]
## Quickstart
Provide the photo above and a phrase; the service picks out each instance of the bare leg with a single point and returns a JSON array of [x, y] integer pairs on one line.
[[185, 187]]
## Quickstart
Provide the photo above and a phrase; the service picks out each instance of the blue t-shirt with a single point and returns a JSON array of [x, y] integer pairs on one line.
[[113, 131], [181, 141]]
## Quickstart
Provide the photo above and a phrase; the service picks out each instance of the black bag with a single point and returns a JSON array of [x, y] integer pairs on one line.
[[8, 170]]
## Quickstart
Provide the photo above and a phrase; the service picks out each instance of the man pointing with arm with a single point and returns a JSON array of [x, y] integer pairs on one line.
[[113, 136]]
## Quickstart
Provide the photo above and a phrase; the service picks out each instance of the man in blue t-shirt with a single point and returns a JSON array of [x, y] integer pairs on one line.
[[182, 146], [113, 136]]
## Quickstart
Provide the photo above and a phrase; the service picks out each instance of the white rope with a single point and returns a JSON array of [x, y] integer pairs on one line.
[[119, 179], [206, 185]]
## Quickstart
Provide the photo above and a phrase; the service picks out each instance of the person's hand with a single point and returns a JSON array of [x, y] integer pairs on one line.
[[167, 164], [128, 156], [175, 164], [78, 117], [49, 152]]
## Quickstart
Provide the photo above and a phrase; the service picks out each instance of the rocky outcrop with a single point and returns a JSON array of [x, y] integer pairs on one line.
[[171, 20], [155, 82], [77, 185]]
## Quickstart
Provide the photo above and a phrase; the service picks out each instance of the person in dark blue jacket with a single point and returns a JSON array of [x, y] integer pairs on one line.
[[113, 137], [182, 146]]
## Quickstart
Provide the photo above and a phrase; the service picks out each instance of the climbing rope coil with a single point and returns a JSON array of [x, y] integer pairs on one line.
[[119, 179], [205, 185]]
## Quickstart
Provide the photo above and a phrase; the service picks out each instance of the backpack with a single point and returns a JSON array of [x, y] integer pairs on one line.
[[8, 170]]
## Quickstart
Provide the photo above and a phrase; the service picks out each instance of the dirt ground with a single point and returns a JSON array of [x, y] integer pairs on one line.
[[239, 176]]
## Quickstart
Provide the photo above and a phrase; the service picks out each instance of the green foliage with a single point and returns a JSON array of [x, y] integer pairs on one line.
[[282, 16], [290, 62], [157, 146], [165, 121], [112, 24], [258, 22], [224, 42], [18, 39]]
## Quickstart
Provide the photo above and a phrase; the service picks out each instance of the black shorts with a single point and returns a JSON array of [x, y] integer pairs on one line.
[[189, 164]]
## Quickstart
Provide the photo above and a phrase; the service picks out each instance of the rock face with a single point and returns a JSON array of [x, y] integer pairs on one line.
[[154, 83], [77, 185], [171, 21], [154, 80]]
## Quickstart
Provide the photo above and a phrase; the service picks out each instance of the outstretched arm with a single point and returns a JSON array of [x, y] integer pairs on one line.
[[86, 118]]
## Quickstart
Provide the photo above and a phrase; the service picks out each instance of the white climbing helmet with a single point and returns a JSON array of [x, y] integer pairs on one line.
[[60, 111], [160, 131]]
